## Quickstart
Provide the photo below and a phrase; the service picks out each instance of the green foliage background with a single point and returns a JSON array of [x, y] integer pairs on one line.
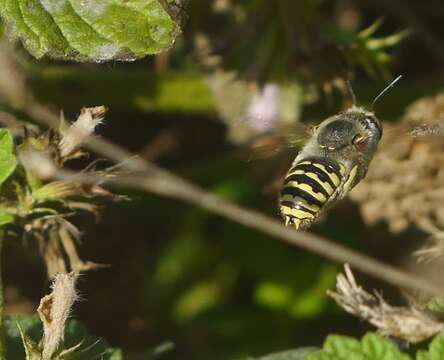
[[215, 289]]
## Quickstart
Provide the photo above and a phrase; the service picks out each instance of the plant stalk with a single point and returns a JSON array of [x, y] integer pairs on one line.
[[2, 314]]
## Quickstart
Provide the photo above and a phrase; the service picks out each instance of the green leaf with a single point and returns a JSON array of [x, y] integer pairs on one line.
[[377, 347], [422, 355], [320, 355], [370, 52], [296, 354], [91, 346], [371, 347], [300, 301], [388, 41], [368, 32], [6, 217], [32, 350], [342, 346], [31, 327], [436, 348], [8, 161], [203, 296], [98, 31]]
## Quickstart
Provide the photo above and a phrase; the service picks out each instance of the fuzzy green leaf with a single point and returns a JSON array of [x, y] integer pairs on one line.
[[372, 347], [93, 30], [297, 354], [436, 348], [341, 346], [32, 350], [8, 161], [30, 327], [376, 347], [422, 355], [90, 346], [321, 355]]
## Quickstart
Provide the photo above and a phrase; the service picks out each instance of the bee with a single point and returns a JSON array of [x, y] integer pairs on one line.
[[331, 163]]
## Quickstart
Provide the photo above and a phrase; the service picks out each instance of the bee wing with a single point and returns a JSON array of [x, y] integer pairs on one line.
[[271, 155], [274, 143]]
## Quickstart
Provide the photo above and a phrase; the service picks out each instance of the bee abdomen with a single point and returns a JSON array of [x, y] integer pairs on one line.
[[307, 187]]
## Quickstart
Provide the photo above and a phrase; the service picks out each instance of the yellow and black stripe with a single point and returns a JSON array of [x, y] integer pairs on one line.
[[307, 188]]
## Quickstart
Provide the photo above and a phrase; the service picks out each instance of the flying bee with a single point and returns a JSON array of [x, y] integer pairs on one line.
[[331, 163]]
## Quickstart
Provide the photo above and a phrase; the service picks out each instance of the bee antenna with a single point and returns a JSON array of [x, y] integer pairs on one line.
[[388, 87], [351, 92]]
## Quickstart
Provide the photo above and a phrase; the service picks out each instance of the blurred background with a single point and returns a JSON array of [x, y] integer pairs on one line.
[[225, 108]]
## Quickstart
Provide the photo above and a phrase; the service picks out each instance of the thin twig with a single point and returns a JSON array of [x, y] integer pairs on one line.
[[148, 177], [2, 306], [168, 185]]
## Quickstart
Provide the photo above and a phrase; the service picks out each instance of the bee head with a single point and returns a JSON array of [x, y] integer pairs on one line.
[[355, 127], [355, 130]]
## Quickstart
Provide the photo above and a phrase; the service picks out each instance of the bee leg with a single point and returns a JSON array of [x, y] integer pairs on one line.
[[297, 224]]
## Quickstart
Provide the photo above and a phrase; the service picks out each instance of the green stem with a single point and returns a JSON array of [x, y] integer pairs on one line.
[[2, 315]]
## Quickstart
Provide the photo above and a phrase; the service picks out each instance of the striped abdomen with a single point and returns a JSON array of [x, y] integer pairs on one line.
[[307, 188]]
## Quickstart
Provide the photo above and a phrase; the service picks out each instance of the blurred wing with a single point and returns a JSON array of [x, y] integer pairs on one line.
[[271, 144]]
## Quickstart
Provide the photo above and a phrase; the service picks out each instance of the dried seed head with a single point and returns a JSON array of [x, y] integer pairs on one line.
[[436, 129], [406, 323], [78, 132], [38, 162], [405, 184]]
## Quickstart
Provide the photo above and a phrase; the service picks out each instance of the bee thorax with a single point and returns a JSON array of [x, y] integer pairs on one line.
[[335, 135]]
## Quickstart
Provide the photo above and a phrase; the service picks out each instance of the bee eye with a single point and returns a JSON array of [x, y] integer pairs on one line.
[[358, 139], [311, 129]]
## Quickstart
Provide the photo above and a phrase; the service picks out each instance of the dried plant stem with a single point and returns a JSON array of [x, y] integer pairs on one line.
[[54, 310], [150, 178], [2, 308]]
